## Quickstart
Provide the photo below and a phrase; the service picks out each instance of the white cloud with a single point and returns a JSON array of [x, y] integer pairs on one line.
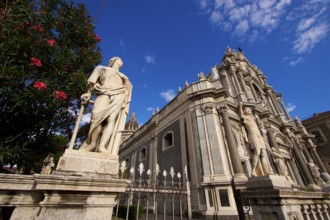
[[266, 4], [151, 59], [245, 18], [290, 107], [216, 17], [312, 25], [168, 95], [306, 23], [241, 27], [150, 109], [296, 61], [308, 39]]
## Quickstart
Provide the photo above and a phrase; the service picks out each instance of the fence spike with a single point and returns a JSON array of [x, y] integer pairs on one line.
[[141, 168], [172, 173], [157, 169], [131, 171], [123, 168], [179, 175], [149, 172], [164, 173]]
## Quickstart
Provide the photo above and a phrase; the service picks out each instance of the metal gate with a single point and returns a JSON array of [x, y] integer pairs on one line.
[[159, 195]]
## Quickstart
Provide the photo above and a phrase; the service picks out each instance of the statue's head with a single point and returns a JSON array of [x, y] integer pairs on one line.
[[247, 111], [116, 60]]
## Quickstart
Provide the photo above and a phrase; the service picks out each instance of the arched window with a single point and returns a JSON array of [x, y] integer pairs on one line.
[[143, 154], [168, 140]]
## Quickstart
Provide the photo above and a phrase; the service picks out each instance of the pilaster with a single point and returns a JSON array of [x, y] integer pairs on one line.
[[233, 152]]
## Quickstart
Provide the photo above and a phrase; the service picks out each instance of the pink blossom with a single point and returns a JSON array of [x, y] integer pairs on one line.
[[60, 95], [98, 38], [40, 85], [36, 62], [38, 28], [51, 42]]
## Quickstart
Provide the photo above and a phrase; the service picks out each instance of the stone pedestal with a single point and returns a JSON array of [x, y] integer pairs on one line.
[[273, 197], [268, 182], [85, 186], [88, 164], [60, 197]]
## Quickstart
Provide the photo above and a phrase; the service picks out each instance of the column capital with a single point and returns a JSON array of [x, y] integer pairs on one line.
[[207, 108], [222, 109]]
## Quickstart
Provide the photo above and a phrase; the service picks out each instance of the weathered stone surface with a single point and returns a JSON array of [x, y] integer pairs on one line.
[[88, 164], [268, 182], [60, 197]]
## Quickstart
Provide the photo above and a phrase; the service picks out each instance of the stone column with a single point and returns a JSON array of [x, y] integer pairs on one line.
[[324, 173], [273, 100], [307, 154], [318, 160], [239, 88], [242, 83], [232, 147], [303, 165], [284, 109], [227, 83], [253, 91]]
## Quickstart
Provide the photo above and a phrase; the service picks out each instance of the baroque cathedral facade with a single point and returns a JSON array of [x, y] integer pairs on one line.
[[231, 129]]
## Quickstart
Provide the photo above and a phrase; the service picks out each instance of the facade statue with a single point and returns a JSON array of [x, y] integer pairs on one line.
[[315, 171], [279, 162], [259, 157], [48, 165], [113, 94], [214, 73]]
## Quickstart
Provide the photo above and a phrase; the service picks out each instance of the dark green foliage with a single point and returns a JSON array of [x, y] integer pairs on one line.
[[47, 50], [131, 213]]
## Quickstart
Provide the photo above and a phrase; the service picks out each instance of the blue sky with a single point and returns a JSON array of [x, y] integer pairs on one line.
[[164, 43]]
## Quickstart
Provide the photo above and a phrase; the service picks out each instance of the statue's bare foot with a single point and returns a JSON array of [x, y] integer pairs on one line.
[[102, 149], [87, 147]]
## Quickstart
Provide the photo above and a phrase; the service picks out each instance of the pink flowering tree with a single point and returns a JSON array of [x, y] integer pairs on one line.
[[47, 50]]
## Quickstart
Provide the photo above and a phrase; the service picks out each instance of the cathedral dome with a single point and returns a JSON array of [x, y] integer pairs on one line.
[[132, 124]]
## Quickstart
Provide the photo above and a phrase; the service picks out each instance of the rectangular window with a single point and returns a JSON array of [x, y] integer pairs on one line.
[[224, 198], [318, 137], [143, 154], [209, 193]]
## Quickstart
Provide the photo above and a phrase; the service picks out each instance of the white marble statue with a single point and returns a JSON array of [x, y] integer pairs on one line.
[[214, 73], [280, 164], [315, 171], [113, 94], [259, 157]]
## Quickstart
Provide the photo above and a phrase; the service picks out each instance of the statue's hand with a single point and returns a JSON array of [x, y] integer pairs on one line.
[[86, 96]]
